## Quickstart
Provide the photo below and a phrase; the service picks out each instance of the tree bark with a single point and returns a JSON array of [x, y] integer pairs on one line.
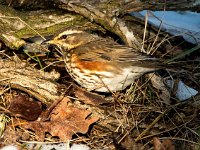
[[20, 75], [120, 6], [15, 25]]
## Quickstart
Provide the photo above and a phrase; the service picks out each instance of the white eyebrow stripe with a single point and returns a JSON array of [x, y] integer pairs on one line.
[[67, 32]]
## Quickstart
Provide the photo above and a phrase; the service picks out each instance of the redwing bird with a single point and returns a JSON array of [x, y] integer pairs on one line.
[[101, 64]]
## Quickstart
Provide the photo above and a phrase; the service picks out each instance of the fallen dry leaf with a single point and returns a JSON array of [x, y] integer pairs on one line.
[[157, 145], [168, 145], [165, 145], [23, 107], [65, 120], [89, 98]]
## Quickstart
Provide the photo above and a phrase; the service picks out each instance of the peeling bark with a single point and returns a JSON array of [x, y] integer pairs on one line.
[[109, 22], [22, 76], [16, 25], [119, 6]]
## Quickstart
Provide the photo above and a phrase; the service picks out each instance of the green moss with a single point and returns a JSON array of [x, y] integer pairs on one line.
[[27, 32]]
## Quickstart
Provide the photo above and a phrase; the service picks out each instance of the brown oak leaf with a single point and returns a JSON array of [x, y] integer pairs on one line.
[[65, 120], [165, 145]]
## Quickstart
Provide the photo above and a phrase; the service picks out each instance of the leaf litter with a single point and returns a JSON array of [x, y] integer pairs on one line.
[[65, 121]]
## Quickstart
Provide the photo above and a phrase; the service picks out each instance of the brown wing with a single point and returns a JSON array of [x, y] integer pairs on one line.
[[103, 50]]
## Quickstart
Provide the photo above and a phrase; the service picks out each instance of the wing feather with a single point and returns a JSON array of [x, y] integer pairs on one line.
[[109, 51]]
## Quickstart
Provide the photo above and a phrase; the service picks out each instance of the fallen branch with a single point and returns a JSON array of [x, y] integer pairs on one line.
[[20, 75], [105, 19]]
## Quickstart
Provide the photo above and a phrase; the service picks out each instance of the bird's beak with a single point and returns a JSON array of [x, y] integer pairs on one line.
[[53, 41], [47, 40]]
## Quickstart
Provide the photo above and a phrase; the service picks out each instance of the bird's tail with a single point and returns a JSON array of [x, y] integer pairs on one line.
[[161, 64]]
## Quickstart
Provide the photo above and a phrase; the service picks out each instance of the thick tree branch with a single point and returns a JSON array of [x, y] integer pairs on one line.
[[37, 83], [17, 25], [109, 22], [117, 7]]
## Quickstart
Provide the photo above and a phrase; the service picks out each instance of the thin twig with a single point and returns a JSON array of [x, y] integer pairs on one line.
[[150, 126]]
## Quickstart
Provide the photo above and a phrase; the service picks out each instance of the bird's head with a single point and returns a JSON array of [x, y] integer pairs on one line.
[[70, 39]]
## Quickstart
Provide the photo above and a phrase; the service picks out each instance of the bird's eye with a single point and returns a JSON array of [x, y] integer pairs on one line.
[[63, 37]]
